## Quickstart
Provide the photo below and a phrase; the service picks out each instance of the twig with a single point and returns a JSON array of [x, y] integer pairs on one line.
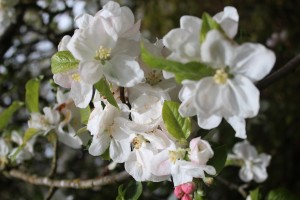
[[74, 183], [280, 73], [233, 186], [50, 193], [54, 158], [122, 95]]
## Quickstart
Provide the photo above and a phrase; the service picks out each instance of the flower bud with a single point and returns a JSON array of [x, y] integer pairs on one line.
[[178, 191], [188, 188]]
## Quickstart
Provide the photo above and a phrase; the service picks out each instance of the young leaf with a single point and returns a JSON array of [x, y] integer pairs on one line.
[[190, 71], [179, 127], [6, 114], [281, 194], [121, 193], [219, 158], [104, 89], [85, 114], [63, 61], [133, 190], [32, 95], [208, 23], [255, 195]]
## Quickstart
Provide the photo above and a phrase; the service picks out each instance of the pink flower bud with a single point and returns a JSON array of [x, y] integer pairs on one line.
[[186, 197], [188, 188], [178, 192]]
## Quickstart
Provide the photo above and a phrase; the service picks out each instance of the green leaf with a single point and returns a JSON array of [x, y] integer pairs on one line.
[[32, 95], [219, 158], [121, 193], [63, 61], [133, 190], [281, 194], [6, 114], [255, 195], [190, 71], [208, 23], [179, 127], [105, 155], [103, 87], [29, 134], [85, 114]]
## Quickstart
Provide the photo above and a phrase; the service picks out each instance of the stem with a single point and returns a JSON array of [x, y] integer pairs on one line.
[[74, 183], [122, 95], [54, 159], [50, 193], [283, 71]]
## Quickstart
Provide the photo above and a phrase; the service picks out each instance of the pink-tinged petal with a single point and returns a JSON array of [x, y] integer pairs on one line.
[[81, 93], [253, 61], [123, 71], [83, 20], [239, 125], [99, 144], [244, 150], [217, 50], [191, 24], [241, 98], [90, 71], [228, 19], [160, 164], [208, 122], [119, 150]]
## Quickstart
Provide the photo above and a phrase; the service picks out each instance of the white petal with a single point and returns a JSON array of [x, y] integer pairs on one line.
[[81, 93], [123, 71], [244, 150], [99, 144], [241, 98], [90, 71], [69, 138], [4, 148], [265, 159], [119, 150], [260, 173], [83, 20], [208, 122], [246, 174], [191, 24], [239, 125], [127, 47], [63, 79], [253, 61], [228, 19], [217, 50], [62, 46], [160, 164]]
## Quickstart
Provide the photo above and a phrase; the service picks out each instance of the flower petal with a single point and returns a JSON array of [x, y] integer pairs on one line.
[[208, 122], [239, 125], [119, 150], [191, 23], [81, 93], [90, 71], [99, 144]]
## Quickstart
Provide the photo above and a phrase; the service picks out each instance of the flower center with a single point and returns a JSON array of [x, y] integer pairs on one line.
[[138, 141], [221, 76], [76, 77], [177, 155], [103, 54], [154, 77]]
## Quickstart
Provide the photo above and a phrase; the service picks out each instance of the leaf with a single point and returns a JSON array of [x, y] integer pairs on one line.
[[219, 158], [208, 23], [63, 61], [255, 195], [85, 114], [105, 155], [104, 89], [179, 127], [32, 95], [6, 114], [281, 194], [133, 190], [121, 193], [190, 71]]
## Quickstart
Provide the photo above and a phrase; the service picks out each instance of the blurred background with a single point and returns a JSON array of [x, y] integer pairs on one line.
[[36, 28]]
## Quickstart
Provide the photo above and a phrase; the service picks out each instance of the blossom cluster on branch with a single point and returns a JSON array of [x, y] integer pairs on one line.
[[123, 98]]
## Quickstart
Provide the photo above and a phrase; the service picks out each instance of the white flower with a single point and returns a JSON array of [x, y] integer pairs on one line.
[[101, 53], [4, 151], [253, 164], [230, 93], [201, 151]]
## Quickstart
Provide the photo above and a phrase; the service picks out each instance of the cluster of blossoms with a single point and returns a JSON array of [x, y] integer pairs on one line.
[[7, 14], [107, 74]]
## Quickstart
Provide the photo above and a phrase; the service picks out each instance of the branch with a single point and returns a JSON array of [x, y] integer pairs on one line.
[[283, 71], [233, 186], [75, 183]]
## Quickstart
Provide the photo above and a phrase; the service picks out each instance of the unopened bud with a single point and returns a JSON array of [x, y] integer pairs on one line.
[[178, 192], [208, 181], [186, 197], [188, 188]]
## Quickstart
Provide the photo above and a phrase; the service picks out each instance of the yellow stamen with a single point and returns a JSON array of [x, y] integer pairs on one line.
[[76, 77], [154, 77], [138, 141], [177, 155], [103, 54], [220, 77]]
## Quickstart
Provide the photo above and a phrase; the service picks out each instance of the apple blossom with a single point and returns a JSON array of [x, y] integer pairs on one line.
[[4, 151]]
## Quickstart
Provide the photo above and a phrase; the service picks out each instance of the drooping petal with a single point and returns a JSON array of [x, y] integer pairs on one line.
[[259, 173], [99, 144], [123, 71], [81, 93], [90, 71], [217, 50], [253, 61], [94, 124], [119, 150], [208, 122], [239, 125], [245, 173], [186, 95], [69, 138], [228, 19]]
